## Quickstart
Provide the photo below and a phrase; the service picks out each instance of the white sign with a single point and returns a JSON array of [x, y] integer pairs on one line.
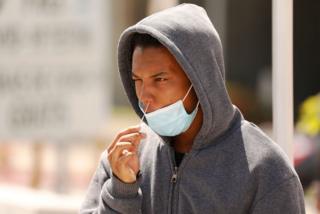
[[53, 68]]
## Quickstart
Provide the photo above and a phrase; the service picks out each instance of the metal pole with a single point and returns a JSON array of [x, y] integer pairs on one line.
[[155, 5], [282, 80]]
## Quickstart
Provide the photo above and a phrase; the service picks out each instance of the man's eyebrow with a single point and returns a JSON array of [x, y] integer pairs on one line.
[[161, 73], [134, 75]]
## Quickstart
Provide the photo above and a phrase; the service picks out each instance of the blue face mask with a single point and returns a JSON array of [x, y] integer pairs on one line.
[[171, 120]]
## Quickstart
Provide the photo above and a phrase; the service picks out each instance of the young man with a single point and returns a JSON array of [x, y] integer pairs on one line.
[[196, 153]]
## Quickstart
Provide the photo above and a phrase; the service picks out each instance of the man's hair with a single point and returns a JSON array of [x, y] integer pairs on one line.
[[144, 41]]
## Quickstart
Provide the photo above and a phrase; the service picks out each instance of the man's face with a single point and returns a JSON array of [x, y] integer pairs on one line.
[[159, 79]]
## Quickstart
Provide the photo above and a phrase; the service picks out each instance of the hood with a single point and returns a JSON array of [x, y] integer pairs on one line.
[[187, 32]]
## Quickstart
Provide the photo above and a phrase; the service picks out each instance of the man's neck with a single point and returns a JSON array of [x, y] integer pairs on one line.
[[183, 142]]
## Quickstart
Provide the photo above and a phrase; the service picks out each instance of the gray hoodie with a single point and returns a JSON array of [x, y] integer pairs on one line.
[[233, 167]]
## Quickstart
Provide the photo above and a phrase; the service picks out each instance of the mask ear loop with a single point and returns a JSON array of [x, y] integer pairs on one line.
[[142, 118], [144, 113], [185, 96], [143, 110]]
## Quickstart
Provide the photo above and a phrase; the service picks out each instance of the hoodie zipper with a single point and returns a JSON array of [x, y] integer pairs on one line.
[[173, 187], [173, 181], [175, 175]]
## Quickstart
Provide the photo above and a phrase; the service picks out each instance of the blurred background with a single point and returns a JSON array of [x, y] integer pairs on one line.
[[61, 99]]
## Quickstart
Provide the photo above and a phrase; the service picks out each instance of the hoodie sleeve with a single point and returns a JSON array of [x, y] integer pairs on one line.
[[107, 194], [286, 198]]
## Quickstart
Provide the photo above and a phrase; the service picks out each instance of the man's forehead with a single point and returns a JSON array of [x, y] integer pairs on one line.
[[151, 61]]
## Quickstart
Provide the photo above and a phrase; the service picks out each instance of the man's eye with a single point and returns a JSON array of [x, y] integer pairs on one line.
[[160, 79]]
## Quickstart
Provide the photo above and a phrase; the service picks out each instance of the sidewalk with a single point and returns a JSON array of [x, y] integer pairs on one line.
[[18, 200]]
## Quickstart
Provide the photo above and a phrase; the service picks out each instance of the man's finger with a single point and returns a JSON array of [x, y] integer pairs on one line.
[[117, 150], [133, 129], [124, 160], [134, 138]]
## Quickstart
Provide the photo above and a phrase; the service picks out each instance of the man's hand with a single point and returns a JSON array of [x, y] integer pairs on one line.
[[122, 154]]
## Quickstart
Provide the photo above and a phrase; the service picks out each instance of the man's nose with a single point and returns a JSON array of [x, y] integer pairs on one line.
[[146, 97]]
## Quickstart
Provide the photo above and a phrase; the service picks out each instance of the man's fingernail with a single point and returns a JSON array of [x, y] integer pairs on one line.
[[143, 135], [135, 127]]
